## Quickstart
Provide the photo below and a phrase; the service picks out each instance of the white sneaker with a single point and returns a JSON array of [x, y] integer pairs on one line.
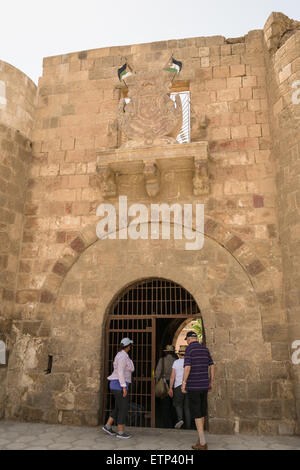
[[179, 424]]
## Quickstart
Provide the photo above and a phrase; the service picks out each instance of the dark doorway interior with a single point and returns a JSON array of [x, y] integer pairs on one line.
[[165, 416], [149, 312]]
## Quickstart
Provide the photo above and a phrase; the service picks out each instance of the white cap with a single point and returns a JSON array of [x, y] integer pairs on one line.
[[126, 342]]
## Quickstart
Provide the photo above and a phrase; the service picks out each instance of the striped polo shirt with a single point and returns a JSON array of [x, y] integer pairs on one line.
[[198, 357]]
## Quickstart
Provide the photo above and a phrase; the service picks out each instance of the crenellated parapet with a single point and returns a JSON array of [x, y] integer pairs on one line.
[[278, 29]]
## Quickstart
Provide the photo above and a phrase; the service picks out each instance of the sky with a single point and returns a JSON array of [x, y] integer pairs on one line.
[[33, 29]]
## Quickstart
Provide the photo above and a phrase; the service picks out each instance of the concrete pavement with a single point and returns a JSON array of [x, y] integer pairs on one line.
[[37, 436]]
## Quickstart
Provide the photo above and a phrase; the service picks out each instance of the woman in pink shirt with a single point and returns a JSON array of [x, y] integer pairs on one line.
[[119, 382]]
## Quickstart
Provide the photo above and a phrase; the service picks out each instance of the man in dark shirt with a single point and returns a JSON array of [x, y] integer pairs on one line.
[[198, 378]]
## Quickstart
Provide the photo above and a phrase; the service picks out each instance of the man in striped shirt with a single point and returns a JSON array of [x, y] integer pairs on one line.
[[198, 378]]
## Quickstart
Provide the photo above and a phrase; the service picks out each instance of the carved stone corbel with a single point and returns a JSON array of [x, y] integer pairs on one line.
[[199, 124], [107, 181], [201, 184], [152, 179]]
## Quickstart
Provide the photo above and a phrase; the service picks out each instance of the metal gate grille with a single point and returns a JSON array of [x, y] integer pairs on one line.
[[134, 314], [140, 331], [155, 297]]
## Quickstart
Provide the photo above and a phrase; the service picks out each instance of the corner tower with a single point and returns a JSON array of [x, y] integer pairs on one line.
[[282, 37], [17, 109]]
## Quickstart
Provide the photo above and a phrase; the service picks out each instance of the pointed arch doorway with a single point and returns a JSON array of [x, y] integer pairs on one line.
[[149, 312]]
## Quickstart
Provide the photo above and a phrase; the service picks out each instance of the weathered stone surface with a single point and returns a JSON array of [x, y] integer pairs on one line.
[[31, 328], [268, 427], [249, 426], [234, 244], [78, 245], [245, 409], [275, 333], [60, 269], [46, 297], [221, 426], [27, 296], [280, 352], [17, 107], [259, 390], [255, 268]]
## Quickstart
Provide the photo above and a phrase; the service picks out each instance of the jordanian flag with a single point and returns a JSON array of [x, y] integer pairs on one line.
[[174, 66], [124, 72]]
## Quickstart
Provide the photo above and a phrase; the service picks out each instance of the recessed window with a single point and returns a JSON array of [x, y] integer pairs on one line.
[[2, 353], [184, 135]]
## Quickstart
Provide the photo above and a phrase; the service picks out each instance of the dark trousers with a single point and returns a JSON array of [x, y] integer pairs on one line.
[[181, 405], [165, 411], [120, 412], [198, 403]]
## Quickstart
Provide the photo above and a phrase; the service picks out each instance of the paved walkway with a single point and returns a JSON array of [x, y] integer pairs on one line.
[[36, 436]]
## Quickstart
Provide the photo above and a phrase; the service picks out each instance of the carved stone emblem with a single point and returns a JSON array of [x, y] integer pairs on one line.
[[150, 117]]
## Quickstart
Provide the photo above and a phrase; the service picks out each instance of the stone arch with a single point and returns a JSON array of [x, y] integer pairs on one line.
[[256, 270], [79, 315], [182, 326], [73, 400]]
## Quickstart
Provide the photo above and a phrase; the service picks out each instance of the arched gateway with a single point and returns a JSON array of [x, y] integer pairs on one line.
[[150, 312]]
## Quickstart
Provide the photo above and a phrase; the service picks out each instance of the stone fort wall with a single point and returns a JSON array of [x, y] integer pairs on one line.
[[75, 118], [283, 65], [17, 108]]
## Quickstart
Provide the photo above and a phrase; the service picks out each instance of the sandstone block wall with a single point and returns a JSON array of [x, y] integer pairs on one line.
[[18, 95], [17, 106], [61, 258], [282, 58], [76, 383], [78, 100]]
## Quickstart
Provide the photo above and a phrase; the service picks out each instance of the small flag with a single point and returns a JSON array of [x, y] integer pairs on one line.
[[174, 66], [124, 72]]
